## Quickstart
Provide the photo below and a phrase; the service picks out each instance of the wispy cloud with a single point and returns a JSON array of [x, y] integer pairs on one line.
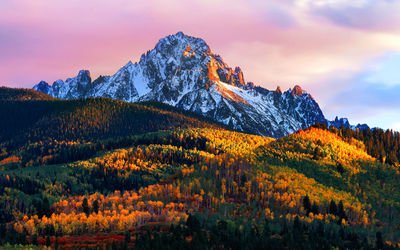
[[360, 14], [370, 95]]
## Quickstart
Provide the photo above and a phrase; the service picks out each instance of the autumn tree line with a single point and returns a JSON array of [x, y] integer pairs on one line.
[[384, 145]]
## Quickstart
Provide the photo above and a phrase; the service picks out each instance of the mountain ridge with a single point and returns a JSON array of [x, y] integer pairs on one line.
[[182, 71], [344, 122]]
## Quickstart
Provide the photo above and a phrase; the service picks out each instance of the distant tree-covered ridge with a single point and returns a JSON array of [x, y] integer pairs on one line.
[[384, 145], [15, 94]]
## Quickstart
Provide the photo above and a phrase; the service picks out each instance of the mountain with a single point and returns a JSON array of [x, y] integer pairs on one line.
[[182, 71], [339, 122]]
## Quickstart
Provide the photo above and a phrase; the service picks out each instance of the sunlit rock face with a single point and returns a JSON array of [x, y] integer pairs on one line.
[[182, 71]]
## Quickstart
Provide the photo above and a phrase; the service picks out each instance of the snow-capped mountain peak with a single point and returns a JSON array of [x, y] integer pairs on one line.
[[182, 71]]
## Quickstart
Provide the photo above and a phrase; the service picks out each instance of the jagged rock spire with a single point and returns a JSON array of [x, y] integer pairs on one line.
[[297, 90], [279, 90]]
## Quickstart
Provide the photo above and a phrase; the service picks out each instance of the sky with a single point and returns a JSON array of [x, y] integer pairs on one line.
[[346, 54]]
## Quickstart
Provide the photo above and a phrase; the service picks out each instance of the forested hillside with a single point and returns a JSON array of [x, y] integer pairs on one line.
[[11, 94], [381, 144], [99, 173], [43, 130]]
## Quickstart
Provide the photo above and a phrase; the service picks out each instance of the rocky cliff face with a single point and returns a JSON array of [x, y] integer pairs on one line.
[[182, 71]]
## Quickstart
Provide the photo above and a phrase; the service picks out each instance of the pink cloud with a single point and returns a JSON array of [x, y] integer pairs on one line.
[[357, 14]]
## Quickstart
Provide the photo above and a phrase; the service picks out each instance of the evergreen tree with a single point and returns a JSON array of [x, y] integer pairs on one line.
[[43, 207], [341, 213], [96, 206], [340, 168], [56, 245], [127, 237], [307, 204], [379, 240], [48, 241], [193, 223], [315, 208], [296, 224], [317, 153], [35, 239], [333, 207], [85, 206]]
